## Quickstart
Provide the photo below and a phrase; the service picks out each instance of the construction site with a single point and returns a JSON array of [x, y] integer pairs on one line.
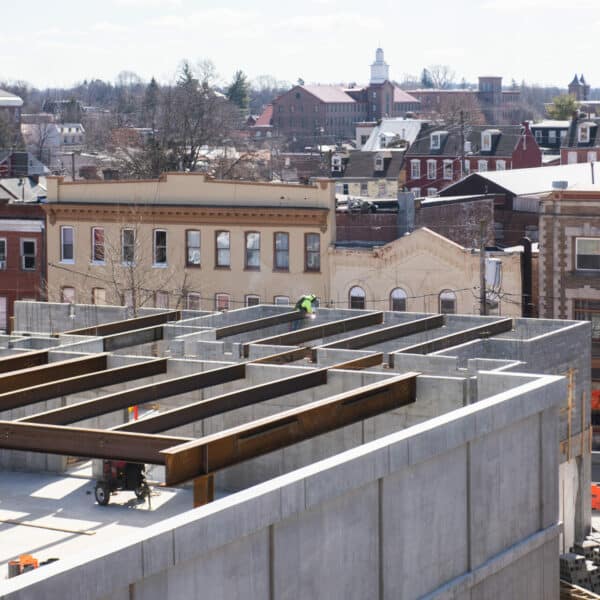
[[355, 455]]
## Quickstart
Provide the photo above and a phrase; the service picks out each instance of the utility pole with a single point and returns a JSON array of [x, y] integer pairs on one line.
[[462, 143], [482, 241]]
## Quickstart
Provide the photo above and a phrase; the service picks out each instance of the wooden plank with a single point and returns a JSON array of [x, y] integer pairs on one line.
[[230, 447]]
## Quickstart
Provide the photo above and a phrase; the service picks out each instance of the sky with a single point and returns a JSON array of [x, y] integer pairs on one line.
[[62, 42]]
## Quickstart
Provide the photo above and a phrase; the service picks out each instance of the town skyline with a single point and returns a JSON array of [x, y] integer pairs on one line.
[[151, 38]]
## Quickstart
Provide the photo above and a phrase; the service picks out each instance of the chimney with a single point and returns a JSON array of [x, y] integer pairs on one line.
[[406, 213]]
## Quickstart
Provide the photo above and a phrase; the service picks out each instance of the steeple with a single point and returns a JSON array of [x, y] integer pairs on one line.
[[380, 70]]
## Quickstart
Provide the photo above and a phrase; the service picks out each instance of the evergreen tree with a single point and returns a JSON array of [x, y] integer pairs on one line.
[[426, 80], [150, 105], [238, 91]]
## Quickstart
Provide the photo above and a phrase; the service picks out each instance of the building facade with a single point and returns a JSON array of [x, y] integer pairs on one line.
[[422, 272], [582, 143], [187, 241], [438, 158], [319, 114]]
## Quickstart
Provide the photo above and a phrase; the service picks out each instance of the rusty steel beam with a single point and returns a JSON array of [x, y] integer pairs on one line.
[[226, 402], [17, 380], [282, 358], [80, 383], [24, 360], [363, 362], [387, 333], [233, 446], [237, 328], [127, 324], [460, 337], [136, 337], [88, 443], [305, 334], [138, 395]]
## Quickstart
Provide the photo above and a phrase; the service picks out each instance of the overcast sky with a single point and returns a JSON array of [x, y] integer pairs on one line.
[[61, 42]]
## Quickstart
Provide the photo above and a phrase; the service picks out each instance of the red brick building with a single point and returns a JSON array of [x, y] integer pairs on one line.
[[437, 158], [22, 255]]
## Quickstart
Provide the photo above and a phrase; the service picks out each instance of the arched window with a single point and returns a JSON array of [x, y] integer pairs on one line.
[[447, 302], [398, 299], [357, 297]]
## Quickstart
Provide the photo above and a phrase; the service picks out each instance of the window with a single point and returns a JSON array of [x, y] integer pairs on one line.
[[66, 244], [552, 136], [159, 253], [538, 136], [583, 134], [448, 170], [2, 254], [127, 247], [572, 158], [500, 165], [467, 166], [193, 301], [98, 295], [592, 156], [431, 169], [252, 250], [251, 300], [223, 258], [221, 302], [486, 142], [28, 253], [435, 141], [357, 297], [281, 300], [281, 260], [67, 294], [161, 299], [415, 169], [364, 189], [482, 165], [431, 191], [398, 299], [312, 252], [192, 243], [345, 189], [588, 253], [447, 302], [588, 310], [98, 244], [379, 163], [3, 313]]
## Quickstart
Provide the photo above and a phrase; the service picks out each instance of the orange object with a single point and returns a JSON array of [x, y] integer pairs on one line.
[[133, 410], [595, 496], [595, 399]]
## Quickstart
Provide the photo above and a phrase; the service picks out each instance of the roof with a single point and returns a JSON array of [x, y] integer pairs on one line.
[[502, 144], [8, 100], [362, 164], [573, 138], [523, 182], [401, 96], [265, 118], [329, 93], [407, 129], [550, 124]]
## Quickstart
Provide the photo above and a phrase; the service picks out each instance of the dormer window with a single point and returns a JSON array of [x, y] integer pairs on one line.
[[583, 134], [436, 140], [379, 163], [336, 164], [486, 141]]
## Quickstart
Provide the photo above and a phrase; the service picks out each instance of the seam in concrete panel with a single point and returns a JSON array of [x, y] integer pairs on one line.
[[380, 535]]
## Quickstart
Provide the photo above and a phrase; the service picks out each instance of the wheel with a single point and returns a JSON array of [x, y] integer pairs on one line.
[[102, 493], [141, 491]]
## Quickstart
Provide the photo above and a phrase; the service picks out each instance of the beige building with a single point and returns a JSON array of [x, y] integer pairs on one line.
[[188, 241], [424, 272]]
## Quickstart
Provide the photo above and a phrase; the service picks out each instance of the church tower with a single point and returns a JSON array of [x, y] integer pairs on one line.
[[380, 70]]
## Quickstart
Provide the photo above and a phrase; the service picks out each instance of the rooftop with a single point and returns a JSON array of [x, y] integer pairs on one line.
[[8, 100]]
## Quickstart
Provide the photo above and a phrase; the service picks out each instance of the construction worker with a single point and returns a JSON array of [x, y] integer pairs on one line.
[[306, 305]]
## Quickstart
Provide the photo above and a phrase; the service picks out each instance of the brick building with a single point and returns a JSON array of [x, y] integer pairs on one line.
[[582, 143], [437, 158], [10, 112], [318, 114]]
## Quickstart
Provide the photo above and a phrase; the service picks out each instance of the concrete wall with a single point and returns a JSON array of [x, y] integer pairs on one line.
[[464, 506]]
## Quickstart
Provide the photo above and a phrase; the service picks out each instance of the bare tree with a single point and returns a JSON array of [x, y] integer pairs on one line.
[[442, 76]]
